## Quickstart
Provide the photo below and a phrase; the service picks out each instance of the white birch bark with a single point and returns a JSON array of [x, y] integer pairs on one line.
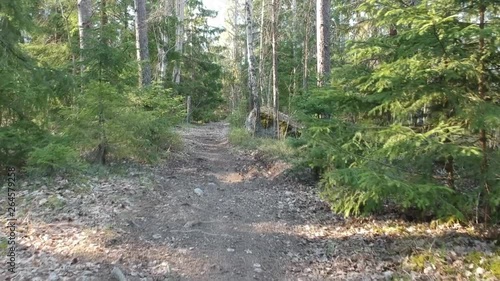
[[179, 39], [261, 52], [274, 19], [252, 83], [84, 22]]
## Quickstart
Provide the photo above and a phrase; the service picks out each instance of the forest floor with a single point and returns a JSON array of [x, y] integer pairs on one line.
[[213, 212]]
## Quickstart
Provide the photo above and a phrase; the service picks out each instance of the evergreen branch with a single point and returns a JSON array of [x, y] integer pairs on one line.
[[439, 41]]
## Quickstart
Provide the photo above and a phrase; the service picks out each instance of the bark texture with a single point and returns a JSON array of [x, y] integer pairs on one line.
[[179, 39], [141, 42], [323, 40], [252, 81], [84, 23], [274, 19]]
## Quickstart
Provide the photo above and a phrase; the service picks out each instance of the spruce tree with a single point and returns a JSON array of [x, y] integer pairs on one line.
[[415, 109]]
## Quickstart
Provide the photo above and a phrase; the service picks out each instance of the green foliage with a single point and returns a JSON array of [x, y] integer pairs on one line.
[[132, 124], [403, 115], [52, 158], [240, 137], [17, 140]]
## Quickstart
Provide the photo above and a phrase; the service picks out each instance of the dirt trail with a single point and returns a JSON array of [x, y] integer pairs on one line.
[[212, 212], [230, 229], [209, 212]]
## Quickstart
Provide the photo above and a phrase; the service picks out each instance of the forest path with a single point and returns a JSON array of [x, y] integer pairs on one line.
[[219, 214], [208, 212], [212, 212]]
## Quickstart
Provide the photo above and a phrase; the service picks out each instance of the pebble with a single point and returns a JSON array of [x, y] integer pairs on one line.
[[428, 270], [230, 249], [53, 277], [198, 191]]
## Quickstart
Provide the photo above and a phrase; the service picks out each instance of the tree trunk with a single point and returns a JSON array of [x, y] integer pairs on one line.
[[236, 60], [162, 54], [188, 110], [252, 84], [305, 76], [261, 51], [483, 139], [323, 40], [102, 148], [141, 41], [179, 40], [84, 23], [274, 16]]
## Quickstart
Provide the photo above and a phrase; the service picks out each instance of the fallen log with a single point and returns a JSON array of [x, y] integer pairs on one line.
[[288, 126]]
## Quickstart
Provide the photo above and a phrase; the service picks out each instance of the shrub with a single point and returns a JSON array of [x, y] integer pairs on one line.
[[54, 158]]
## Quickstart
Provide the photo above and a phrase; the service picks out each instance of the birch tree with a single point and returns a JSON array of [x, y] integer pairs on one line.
[[162, 45], [84, 16], [252, 82], [323, 40], [274, 31], [141, 42], [309, 6], [179, 39], [262, 54], [236, 58]]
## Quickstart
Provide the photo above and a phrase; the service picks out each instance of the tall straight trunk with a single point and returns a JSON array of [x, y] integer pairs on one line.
[[84, 23], [261, 50], [294, 47], [167, 8], [162, 54], [323, 40], [102, 148], [274, 16], [305, 76], [141, 42], [236, 59], [483, 139], [179, 39], [252, 83]]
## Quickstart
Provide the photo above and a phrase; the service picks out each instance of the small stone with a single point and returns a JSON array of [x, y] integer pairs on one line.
[[257, 265], [230, 249], [53, 277], [156, 236], [479, 271], [198, 191], [428, 270], [388, 275], [307, 270], [42, 201], [248, 251]]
